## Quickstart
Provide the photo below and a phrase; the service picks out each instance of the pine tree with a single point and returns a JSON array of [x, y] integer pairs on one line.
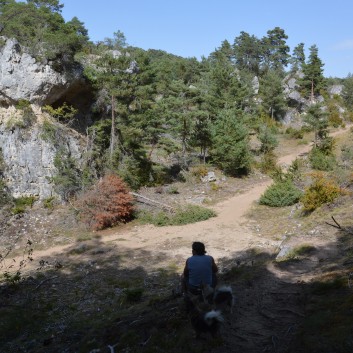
[[231, 150], [313, 81], [248, 53], [297, 59], [271, 93], [275, 50], [347, 92]]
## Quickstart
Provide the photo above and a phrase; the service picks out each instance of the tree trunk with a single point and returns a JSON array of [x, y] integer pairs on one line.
[[112, 135], [312, 91]]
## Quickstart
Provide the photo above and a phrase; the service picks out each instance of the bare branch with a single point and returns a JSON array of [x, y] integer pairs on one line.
[[150, 201], [337, 225]]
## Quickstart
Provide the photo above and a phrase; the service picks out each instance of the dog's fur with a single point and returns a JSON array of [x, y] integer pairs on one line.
[[203, 321], [221, 298]]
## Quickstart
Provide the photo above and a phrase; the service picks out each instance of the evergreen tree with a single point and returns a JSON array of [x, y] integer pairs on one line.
[[202, 135], [317, 119], [111, 75], [313, 80], [275, 50], [297, 59], [271, 93], [231, 151], [347, 92], [39, 26], [248, 53], [268, 139]]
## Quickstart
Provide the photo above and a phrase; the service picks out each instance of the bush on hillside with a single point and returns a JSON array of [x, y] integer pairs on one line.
[[322, 190], [183, 215], [107, 203], [268, 163], [321, 161], [281, 193]]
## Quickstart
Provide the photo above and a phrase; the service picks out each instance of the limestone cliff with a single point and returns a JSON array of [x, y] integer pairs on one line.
[[29, 157]]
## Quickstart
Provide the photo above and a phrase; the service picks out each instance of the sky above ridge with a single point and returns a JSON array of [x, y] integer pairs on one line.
[[195, 28]]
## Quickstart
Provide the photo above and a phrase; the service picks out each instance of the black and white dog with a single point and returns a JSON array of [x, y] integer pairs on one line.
[[203, 321], [221, 298]]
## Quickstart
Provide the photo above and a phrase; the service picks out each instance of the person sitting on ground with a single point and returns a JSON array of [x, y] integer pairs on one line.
[[200, 269]]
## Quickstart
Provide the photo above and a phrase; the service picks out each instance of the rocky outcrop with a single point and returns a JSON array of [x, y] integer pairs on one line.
[[29, 157], [23, 78]]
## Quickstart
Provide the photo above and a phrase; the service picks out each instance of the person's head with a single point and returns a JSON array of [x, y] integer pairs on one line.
[[198, 248]]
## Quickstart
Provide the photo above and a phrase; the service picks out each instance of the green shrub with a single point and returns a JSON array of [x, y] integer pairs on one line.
[[26, 201], [68, 178], [173, 190], [23, 104], [268, 163], [192, 214], [22, 203], [299, 251], [49, 202], [295, 169], [49, 131], [321, 161], [281, 193], [295, 133], [4, 194], [183, 215], [64, 113], [199, 171], [321, 191]]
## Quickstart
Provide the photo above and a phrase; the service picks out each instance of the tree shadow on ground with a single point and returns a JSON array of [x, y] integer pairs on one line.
[[98, 297]]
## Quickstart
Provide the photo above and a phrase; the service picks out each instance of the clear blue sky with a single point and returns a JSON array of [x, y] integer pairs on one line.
[[195, 28]]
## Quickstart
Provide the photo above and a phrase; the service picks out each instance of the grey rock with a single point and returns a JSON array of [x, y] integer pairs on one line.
[[29, 159], [211, 176], [284, 251], [335, 90], [22, 77]]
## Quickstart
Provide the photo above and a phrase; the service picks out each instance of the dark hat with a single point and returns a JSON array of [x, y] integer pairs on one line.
[[199, 248]]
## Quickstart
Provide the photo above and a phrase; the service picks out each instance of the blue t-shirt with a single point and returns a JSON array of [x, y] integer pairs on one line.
[[200, 269]]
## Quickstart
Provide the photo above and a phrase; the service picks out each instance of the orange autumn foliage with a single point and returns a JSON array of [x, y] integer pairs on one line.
[[107, 203]]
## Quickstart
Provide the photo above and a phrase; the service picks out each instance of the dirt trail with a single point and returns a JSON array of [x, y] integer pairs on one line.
[[224, 235]]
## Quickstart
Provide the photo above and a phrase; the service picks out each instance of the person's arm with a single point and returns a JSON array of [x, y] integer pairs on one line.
[[214, 266], [186, 269]]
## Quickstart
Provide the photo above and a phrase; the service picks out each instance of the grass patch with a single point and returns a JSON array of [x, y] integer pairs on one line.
[[183, 215], [297, 253]]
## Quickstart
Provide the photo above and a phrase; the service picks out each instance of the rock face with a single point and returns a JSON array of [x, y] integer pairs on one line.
[[21, 77], [29, 158]]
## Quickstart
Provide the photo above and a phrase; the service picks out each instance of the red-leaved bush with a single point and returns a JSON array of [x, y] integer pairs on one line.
[[107, 203]]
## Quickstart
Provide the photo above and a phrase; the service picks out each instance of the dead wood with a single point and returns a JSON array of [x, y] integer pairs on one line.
[[338, 226], [151, 202]]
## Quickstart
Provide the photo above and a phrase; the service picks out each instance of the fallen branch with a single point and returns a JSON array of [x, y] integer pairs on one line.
[[149, 201], [338, 226]]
